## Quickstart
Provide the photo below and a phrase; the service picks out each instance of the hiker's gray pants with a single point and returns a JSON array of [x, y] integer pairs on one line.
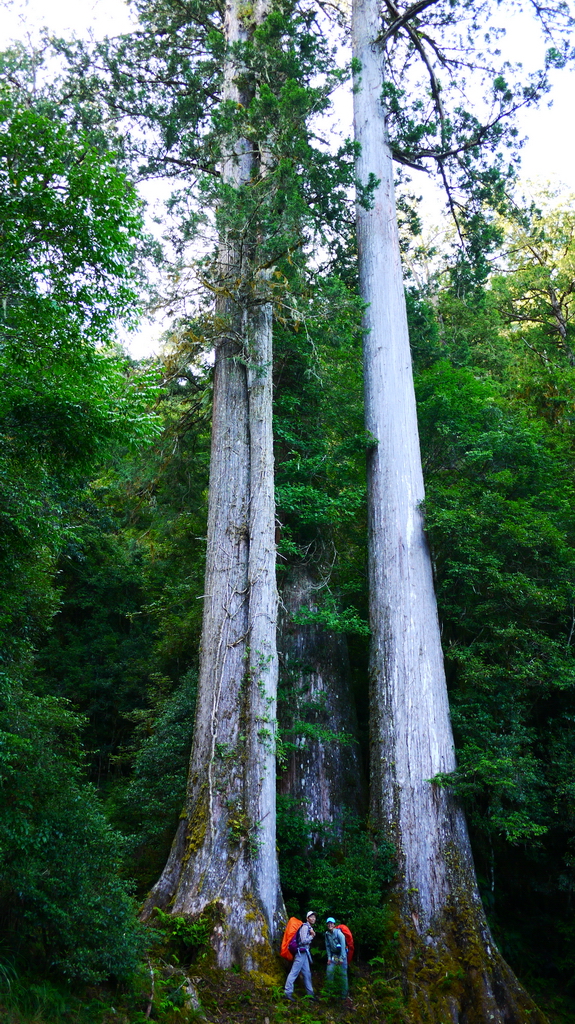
[[301, 965]]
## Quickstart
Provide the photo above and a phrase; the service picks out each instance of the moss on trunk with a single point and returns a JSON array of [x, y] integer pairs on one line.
[[454, 972]]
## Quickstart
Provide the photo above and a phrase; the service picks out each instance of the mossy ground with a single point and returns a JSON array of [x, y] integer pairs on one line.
[[226, 997]]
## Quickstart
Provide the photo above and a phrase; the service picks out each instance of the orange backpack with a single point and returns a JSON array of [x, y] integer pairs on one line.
[[348, 941], [292, 928]]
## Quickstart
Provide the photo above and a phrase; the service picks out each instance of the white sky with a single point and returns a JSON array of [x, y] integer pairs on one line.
[[103, 17], [549, 153]]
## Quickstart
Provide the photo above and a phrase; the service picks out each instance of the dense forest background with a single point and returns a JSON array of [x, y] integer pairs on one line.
[[103, 470]]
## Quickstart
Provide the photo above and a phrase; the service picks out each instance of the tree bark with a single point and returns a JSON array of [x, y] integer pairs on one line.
[[450, 965], [223, 859], [326, 777]]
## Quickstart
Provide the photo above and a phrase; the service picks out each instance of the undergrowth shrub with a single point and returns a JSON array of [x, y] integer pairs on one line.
[[63, 904], [179, 939], [340, 871], [153, 799]]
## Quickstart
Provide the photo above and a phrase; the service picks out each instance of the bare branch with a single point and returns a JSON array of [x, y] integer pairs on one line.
[[402, 19], [405, 161], [451, 201]]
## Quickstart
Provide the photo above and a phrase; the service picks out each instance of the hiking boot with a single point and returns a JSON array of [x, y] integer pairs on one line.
[[291, 998]]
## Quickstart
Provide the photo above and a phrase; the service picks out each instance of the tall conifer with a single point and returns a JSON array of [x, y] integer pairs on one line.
[[450, 964]]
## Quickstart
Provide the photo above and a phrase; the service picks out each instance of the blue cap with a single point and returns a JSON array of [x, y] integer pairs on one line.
[[330, 920]]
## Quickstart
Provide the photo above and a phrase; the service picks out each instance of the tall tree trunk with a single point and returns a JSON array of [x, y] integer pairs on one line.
[[223, 859], [451, 968], [325, 776]]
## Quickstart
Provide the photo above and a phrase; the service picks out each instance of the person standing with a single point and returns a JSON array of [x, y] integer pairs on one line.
[[302, 959], [336, 949]]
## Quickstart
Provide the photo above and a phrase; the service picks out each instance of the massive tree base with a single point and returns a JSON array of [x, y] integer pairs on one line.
[[458, 975], [239, 934]]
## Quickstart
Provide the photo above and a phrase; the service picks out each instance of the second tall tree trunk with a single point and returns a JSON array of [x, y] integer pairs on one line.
[[451, 969]]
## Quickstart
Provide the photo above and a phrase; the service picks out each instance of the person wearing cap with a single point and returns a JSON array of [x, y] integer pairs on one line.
[[336, 949], [302, 960]]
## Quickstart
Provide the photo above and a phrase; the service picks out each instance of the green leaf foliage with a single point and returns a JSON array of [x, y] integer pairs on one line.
[[499, 513], [68, 225], [320, 443], [68, 221], [63, 903], [131, 581], [150, 805], [495, 403], [98, 650]]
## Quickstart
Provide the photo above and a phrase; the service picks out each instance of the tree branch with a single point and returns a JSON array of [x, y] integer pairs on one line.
[[402, 19]]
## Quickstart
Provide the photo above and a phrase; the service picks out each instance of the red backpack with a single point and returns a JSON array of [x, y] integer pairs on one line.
[[348, 941], [289, 942]]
